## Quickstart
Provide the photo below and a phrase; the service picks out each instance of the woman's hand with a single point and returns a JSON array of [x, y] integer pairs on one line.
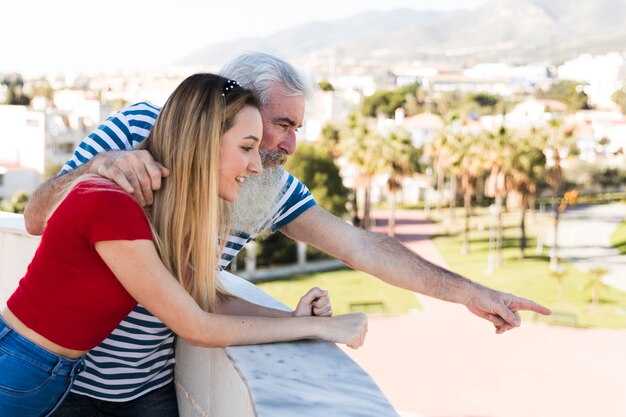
[[315, 302], [349, 329]]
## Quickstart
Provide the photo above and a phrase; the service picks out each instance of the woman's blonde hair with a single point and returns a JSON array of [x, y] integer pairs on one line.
[[190, 221]]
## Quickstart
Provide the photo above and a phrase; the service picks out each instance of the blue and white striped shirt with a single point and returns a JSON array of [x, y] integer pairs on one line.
[[138, 356]]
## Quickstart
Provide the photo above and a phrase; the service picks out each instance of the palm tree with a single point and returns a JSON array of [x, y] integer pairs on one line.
[[363, 149], [464, 159], [399, 160], [439, 151], [595, 283], [558, 144], [499, 152], [330, 138], [559, 274], [528, 167]]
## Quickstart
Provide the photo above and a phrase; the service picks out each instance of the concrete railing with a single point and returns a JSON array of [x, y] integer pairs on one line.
[[306, 378]]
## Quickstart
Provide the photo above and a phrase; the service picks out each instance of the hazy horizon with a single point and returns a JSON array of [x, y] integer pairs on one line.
[[63, 36]]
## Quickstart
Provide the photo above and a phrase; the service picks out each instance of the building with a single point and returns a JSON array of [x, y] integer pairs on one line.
[[38, 140], [602, 75], [15, 178]]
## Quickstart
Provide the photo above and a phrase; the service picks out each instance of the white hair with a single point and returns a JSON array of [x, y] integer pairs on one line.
[[257, 71]]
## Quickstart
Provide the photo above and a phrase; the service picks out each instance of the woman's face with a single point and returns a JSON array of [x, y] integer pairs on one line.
[[239, 153]]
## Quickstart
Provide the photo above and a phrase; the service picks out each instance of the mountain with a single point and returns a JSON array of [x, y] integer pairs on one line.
[[504, 30]]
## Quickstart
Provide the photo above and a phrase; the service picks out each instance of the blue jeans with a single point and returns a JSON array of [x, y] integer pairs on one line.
[[158, 403], [33, 380]]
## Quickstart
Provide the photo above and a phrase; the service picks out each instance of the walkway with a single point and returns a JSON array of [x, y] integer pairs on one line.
[[445, 362], [585, 240]]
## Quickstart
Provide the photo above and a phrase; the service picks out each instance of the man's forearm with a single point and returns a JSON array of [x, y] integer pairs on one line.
[[389, 260], [44, 198], [378, 255]]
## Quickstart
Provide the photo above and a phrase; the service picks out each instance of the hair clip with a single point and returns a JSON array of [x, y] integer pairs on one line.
[[229, 85]]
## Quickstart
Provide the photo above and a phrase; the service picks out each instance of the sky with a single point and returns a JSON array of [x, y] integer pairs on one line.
[[78, 36]]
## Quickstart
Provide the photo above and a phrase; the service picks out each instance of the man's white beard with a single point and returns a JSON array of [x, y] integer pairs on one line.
[[252, 210]]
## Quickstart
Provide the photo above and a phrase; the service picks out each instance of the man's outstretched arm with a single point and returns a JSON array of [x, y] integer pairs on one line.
[[135, 171], [386, 258]]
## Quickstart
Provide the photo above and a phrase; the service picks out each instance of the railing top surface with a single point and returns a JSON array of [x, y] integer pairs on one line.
[[12, 222], [304, 378]]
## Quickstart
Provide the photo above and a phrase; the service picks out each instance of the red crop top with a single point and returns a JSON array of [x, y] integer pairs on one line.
[[68, 294]]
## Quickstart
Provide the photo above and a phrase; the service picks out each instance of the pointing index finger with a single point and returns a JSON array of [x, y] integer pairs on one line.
[[524, 304]]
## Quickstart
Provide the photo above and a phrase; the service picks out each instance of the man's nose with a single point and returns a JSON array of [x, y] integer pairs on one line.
[[288, 144]]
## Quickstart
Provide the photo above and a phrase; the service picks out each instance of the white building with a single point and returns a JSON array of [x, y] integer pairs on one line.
[[534, 113], [600, 135], [14, 179], [34, 141], [23, 137], [600, 72], [524, 78]]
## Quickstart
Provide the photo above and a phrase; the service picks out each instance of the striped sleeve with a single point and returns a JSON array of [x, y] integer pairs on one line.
[[296, 200], [123, 131]]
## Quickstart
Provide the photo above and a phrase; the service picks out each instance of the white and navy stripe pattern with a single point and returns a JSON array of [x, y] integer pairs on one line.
[[124, 130], [138, 356]]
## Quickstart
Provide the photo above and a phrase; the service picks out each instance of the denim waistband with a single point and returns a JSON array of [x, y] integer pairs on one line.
[[37, 355]]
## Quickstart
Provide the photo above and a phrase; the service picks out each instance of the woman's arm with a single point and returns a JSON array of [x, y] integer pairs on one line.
[[137, 266]]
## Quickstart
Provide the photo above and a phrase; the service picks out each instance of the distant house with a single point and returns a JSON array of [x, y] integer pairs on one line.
[[423, 127], [600, 135], [534, 112], [39, 138], [15, 178]]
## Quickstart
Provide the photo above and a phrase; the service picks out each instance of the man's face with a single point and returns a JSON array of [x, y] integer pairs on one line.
[[282, 117]]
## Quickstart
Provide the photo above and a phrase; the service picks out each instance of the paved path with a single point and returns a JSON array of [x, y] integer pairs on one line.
[[585, 240], [444, 362]]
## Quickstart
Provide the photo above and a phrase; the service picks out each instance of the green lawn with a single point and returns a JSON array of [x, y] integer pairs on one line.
[[527, 277], [350, 291], [530, 277], [618, 238]]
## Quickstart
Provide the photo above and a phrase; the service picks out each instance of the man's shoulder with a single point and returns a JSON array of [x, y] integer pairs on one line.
[[289, 178], [141, 108], [296, 199], [291, 185]]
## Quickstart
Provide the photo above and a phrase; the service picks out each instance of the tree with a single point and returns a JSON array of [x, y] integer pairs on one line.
[[387, 101], [499, 152], [467, 158], [481, 104], [595, 283], [527, 170], [619, 97], [16, 204], [330, 139], [440, 150], [326, 86], [15, 95], [315, 168], [557, 143], [569, 92], [363, 148], [400, 160], [610, 179]]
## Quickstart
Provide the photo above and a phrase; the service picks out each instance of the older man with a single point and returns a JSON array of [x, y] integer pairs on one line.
[[131, 372]]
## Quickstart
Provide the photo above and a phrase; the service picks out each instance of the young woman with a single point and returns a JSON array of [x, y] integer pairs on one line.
[[101, 254]]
